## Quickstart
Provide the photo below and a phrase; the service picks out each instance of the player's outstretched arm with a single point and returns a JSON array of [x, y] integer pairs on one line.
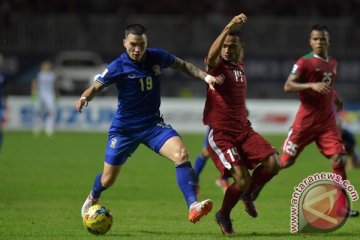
[[193, 71], [212, 59], [293, 84], [88, 95]]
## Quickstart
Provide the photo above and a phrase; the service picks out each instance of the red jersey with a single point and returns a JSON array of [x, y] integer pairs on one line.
[[316, 111], [225, 107]]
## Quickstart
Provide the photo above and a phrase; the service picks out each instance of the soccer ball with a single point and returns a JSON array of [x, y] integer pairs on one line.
[[98, 220]]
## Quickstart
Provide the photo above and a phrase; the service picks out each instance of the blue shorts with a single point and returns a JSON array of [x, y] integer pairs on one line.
[[120, 146]]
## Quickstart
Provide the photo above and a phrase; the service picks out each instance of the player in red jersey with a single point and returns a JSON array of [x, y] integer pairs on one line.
[[234, 146], [312, 77]]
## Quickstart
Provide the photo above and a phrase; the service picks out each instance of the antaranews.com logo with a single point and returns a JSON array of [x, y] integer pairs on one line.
[[320, 203]]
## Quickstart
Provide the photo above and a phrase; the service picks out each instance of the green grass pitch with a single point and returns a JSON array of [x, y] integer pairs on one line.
[[44, 181]]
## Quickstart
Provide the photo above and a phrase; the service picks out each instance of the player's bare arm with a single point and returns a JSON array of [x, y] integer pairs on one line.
[[338, 102], [88, 95], [293, 84], [192, 70], [215, 49]]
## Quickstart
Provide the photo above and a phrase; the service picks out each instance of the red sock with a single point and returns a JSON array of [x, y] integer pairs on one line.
[[340, 170], [259, 177], [231, 197]]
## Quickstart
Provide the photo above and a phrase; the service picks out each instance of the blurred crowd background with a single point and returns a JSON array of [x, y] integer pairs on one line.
[[81, 36]]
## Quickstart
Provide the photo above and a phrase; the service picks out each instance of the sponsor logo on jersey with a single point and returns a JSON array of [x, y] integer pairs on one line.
[[113, 142]]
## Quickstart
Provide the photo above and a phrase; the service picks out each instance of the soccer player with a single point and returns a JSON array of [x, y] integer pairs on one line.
[[136, 74], [352, 154], [234, 146], [3, 81], [43, 91], [200, 163], [313, 77]]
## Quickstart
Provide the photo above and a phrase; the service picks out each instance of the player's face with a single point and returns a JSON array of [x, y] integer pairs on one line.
[[320, 42], [135, 46], [232, 50]]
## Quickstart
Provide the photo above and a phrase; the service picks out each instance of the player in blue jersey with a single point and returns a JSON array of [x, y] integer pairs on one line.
[[136, 74], [352, 154], [2, 99]]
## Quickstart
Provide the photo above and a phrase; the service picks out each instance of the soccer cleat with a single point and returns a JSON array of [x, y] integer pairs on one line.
[[199, 209], [222, 183], [225, 225], [353, 213], [87, 204], [250, 207]]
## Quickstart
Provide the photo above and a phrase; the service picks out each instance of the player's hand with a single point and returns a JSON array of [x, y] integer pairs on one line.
[[321, 87], [82, 102], [338, 103], [238, 20], [211, 80]]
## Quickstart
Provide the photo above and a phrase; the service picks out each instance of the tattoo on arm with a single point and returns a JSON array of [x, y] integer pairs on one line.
[[189, 69]]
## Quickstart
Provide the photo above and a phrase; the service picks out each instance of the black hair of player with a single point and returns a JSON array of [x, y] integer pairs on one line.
[[320, 28], [136, 29]]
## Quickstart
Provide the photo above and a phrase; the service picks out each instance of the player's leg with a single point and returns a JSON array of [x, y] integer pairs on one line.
[[102, 181], [201, 159], [50, 116], [331, 146], [293, 145], [222, 182], [199, 165], [119, 148], [175, 150], [167, 142], [231, 198], [260, 153], [226, 158], [200, 162], [37, 121]]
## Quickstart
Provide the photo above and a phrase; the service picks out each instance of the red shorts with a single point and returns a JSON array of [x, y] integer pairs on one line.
[[329, 143], [227, 149]]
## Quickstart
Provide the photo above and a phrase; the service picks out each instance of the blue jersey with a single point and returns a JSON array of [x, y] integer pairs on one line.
[[138, 88], [348, 139]]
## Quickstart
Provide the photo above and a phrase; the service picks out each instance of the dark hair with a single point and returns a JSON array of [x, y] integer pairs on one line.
[[136, 29], [320, 28], [236, 33]]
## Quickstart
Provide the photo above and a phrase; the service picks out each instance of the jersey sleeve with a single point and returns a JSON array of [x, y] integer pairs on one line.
[[166, 59], [107, 77], [299, 67]]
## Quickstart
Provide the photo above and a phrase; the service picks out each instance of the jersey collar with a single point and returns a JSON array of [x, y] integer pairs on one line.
[[322, 59]]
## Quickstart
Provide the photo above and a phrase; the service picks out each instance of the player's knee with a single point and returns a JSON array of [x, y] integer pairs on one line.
[[242, 182], [107, 180], [273, 164], [337, 161], [181, 156]]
